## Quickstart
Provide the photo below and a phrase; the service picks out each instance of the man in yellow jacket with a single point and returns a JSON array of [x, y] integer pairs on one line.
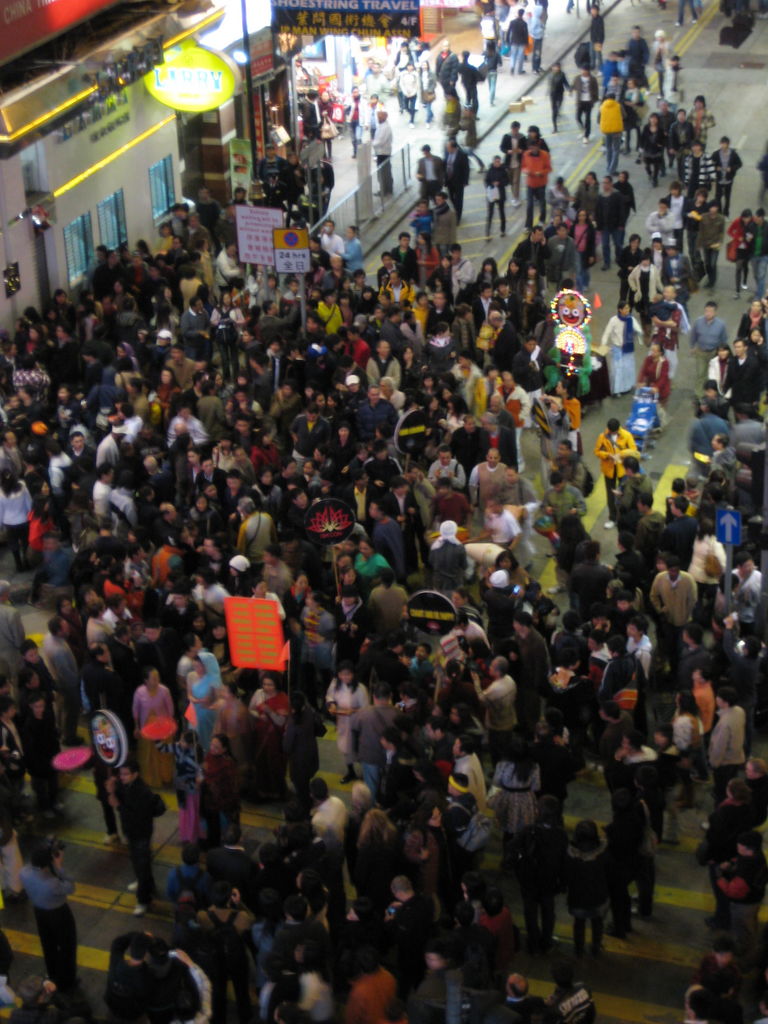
[[612, 127], [612, 447]]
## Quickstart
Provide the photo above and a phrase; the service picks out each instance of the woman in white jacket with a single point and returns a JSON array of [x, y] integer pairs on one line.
[[408, 85], [15, 506], [707, 564], [621, 336]]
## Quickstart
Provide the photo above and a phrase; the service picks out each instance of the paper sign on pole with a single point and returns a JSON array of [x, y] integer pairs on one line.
[[255, 225]]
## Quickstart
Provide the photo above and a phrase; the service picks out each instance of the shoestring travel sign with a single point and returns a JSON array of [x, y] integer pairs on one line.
[[346, 17]]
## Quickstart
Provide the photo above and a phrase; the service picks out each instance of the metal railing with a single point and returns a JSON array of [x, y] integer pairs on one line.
[[374, 193]]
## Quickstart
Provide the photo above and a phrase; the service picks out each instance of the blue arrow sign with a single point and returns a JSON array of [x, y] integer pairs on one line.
[[728, 526]]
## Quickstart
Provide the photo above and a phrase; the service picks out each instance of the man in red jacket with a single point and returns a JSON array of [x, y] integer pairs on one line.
[[536, 165]]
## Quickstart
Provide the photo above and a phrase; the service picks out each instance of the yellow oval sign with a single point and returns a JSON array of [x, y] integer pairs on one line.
[[192, 79]]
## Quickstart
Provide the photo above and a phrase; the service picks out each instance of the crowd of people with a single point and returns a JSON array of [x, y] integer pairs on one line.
[[166, 432]]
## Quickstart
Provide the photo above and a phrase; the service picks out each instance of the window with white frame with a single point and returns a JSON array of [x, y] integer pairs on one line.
[[78, 247], [161, 186], [111, 213]]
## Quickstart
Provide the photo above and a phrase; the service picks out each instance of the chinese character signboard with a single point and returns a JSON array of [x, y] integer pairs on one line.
[[255, 633], [240, 170], [347, 17], [292, 251], [255, 225]]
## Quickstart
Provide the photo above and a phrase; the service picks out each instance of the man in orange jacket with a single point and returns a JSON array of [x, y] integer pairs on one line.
[[536, 165]]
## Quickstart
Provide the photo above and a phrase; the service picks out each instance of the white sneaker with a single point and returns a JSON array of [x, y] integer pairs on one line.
[[140, 910], [585, 140], [111, 838], [556, 590], [132, 886], [608, 524]]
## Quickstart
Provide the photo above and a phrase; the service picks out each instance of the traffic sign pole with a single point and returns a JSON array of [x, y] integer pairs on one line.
[[728, 578]]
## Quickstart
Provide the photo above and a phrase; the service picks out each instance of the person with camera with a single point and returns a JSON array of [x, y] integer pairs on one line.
[[47, 887]]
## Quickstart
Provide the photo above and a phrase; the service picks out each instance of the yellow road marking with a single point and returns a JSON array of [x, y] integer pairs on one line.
[[89, 957]]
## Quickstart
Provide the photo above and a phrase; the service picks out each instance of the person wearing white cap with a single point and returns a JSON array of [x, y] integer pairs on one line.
[[447, 559], [239, 570]]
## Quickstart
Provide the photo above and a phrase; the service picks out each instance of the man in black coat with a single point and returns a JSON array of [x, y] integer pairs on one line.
[[507, 342], [447, 67], [743, 378], [456, 163], [229, 862], [694, 655], [526, 366], [534, 250], [503, 438], [408, 926], [466, 444], [610, 218], [138, 807], [589, 579], [679, 535]]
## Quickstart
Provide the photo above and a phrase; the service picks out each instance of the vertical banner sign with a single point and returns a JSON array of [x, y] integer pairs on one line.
[[255, 225], [346, 17], [240, 170], [255, 633]]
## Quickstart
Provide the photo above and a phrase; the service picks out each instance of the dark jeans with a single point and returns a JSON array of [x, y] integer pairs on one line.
[[385, 175], [110, 818], [722, 903], [710, 265], [606, 237], [18, 541], [610, 497], [58, 937], [645, 879], [70, 695], [720, 778], [46, 789], [536, 195], [409, 106], [238, 974], [497, 743], [723, 196], [457, 198], [584, 117], [539, 933], [619, 879], [140, 852], [556, 102], [502, 216], [536, 55], [580, 931]]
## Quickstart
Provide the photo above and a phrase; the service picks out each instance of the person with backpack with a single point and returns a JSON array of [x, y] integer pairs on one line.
[[177, 988], [188, 882], [228, 921], [464, 826], [539, 863], [127, 991]]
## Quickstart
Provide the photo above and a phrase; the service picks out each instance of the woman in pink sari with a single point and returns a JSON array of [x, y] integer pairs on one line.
[[269, 710]]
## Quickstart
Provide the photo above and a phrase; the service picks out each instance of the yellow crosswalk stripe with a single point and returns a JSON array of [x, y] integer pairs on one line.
[[88, 957]]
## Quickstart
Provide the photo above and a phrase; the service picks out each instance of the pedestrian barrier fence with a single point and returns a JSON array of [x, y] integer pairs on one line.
[[374, 192]]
